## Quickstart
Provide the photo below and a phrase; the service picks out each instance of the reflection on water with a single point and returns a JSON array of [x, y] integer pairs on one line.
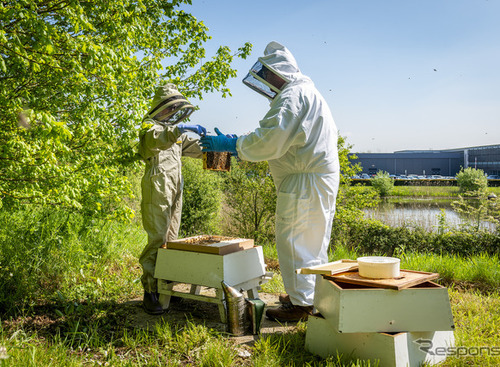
[[421, 213]]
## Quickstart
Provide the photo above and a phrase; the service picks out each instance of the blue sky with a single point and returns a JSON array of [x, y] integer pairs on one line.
[[406, 74]]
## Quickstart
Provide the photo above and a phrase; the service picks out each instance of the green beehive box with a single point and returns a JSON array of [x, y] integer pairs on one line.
[[404, 349], [351, 308]]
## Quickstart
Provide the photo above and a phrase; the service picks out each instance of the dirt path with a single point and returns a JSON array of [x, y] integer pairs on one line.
[[205, 313]]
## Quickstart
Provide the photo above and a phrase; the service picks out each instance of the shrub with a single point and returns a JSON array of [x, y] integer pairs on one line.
[[202, 199], [472, 181], [375, 238], [250, 200], [382, 183], [351, 199]]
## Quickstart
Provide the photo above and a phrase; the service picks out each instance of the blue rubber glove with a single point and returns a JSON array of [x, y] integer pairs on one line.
[[219, 143], [197, 129]]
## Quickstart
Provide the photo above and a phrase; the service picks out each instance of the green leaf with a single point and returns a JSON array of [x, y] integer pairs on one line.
[[88, 70]]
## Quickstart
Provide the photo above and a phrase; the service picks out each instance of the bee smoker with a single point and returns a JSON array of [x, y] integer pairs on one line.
[[235, 309]]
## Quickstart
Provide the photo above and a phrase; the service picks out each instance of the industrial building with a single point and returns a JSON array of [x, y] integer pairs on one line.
[[432, 162]]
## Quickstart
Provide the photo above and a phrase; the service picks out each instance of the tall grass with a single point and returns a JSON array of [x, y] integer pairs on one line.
[[478, 272], [425, 191], [58, 254]]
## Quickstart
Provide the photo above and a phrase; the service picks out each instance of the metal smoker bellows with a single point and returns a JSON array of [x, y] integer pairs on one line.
[[235, 308]]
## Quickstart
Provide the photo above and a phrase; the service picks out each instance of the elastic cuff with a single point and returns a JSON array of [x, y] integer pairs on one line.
[[178, 130]]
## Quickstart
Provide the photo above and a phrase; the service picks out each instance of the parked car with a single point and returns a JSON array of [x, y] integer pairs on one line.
[[493, 177]]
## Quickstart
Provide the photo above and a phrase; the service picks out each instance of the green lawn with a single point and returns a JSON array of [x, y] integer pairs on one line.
[[72, 332], [67, 303]]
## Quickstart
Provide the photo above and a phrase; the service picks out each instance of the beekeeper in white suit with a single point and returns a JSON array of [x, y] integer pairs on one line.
[[161, 145], [298, 138]]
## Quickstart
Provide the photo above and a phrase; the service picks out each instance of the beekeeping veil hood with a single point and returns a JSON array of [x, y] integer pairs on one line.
[[169, 106], [278, 60]]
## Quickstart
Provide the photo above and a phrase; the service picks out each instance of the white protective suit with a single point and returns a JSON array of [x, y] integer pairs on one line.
[[298, 138], [161, 147]]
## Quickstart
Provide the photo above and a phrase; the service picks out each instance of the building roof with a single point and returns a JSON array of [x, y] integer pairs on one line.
[[455, 150]]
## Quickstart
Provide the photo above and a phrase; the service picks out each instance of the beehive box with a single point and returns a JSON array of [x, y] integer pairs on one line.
[[209, 269], [211, 244], [405, 349], [217, 161], [351, 308]]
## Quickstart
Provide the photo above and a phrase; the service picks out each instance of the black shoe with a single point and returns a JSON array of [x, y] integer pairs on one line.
[[173, 299], [151, 304]]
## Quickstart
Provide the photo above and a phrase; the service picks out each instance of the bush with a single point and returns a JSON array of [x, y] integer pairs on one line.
[[202, 199], [382, 183], [472, 181], [375, 238], [250, 200]]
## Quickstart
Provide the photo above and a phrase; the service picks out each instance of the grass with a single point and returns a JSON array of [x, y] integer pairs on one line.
[[477, 319], [477, 273], [411, 192], [65, 297], [97, 333], [112, 342], [425, 191], [481, 272]]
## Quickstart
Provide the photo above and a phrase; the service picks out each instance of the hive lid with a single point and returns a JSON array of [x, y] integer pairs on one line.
[[211, 244], [331, 268], [407, 279]]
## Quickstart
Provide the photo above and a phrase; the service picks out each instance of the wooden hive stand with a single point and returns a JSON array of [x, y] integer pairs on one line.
[[242, 269]]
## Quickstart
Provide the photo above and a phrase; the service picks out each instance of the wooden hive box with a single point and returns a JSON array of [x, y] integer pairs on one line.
[[352, 308], [210, 269], [404, 349]]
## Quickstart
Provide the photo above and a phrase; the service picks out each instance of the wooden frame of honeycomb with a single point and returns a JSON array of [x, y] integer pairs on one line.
[[217, 161], [213, 244]]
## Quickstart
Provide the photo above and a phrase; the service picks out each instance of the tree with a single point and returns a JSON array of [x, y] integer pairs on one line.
[[477, 209], [251, 196], [350, 200], [472, 181], [75, 80], [382, 183]]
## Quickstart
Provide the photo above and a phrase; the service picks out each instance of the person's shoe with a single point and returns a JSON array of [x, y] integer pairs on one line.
[[284, 298], [288, 312], [151, 304], [173, 299]]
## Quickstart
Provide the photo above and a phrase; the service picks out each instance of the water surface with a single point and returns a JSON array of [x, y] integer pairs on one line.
[[425, 213]]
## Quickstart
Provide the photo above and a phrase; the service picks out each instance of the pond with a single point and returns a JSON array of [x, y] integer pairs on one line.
[[426, 213]]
